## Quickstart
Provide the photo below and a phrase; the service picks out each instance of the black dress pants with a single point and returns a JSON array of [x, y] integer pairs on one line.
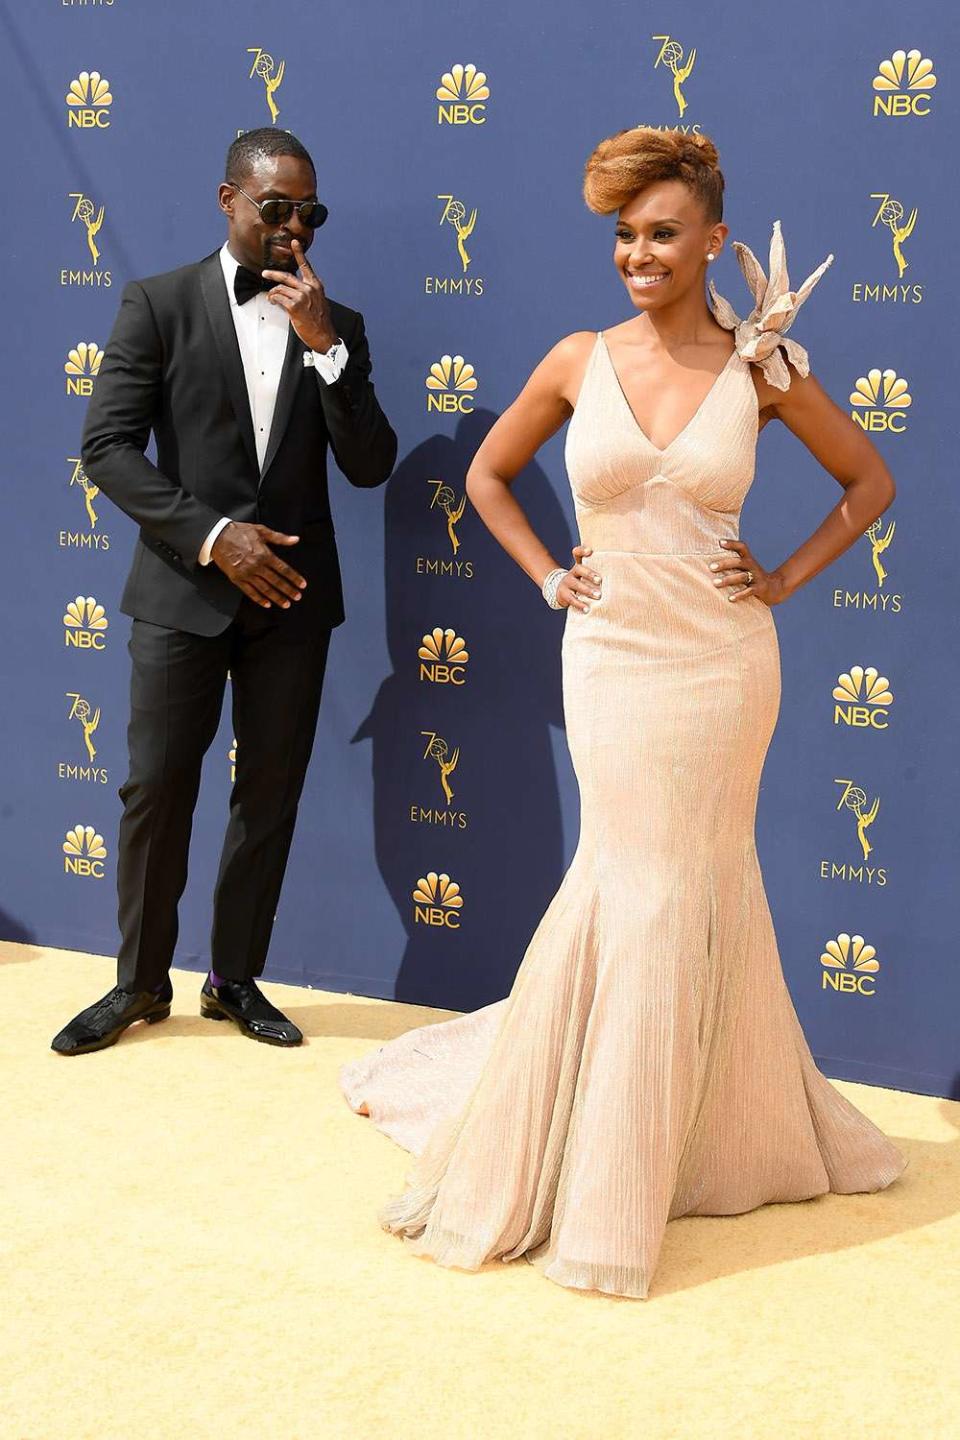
[[276, 661]]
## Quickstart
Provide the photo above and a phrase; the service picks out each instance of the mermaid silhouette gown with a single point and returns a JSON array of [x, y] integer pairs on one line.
[[648, 1062]]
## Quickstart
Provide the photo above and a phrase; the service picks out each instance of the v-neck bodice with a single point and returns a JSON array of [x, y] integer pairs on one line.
[[632, 495], [660, 449]]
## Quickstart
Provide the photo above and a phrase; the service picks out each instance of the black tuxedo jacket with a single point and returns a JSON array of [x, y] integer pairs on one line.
[[172, 365]]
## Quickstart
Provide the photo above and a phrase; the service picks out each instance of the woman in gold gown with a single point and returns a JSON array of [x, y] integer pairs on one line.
[[648, 1062]]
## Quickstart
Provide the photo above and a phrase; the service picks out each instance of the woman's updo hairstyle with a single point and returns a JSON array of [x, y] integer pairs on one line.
[[629, 161]]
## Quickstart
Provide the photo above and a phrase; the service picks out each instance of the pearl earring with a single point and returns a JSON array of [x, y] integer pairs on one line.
[[710, 255]]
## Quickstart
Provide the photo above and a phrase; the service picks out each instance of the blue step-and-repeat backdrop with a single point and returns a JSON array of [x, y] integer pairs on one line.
[[441, 809]]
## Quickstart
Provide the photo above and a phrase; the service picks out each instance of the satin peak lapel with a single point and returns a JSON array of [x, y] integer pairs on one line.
[[221, 323], [291, 375]]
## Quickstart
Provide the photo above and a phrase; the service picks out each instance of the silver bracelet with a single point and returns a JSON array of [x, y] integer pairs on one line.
[[550, 586]]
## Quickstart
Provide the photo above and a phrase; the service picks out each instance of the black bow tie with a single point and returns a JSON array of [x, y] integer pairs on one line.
[[246, 284]]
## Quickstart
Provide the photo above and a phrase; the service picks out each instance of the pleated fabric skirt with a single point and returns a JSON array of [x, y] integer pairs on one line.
[[648, 1062]]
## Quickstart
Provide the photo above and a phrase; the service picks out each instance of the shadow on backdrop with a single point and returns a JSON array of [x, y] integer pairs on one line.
[[463, 764], [12, 929]]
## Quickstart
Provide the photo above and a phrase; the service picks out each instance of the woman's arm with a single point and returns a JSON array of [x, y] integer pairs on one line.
[[543, 405], [851, 458]]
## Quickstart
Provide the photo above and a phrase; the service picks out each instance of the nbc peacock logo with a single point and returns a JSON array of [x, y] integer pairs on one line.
[[437, 901], [82, 366], [451, 386], [849, 966], [902, 85], [85, 624], [880, 400], [84, 852], [462, 93], [88, 101], [863, 698], [443, 657]]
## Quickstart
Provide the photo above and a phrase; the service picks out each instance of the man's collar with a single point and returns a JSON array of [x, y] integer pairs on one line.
[[230, 266]]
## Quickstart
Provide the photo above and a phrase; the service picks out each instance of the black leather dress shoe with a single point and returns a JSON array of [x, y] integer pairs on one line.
[[102, 1024], [242, 1002]]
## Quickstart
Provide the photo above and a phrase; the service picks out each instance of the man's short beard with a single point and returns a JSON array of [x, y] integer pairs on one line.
[[270, 262]]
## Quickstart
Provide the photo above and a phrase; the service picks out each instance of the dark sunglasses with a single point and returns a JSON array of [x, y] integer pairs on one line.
[[276, 212]]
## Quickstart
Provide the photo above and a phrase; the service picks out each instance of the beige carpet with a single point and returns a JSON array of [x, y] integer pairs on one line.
[[190, 1249]]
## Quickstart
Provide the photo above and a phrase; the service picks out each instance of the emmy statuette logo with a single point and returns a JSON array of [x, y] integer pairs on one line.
[[884, 600], [863, 699], [264, 68], [88, 217], [232, 758], [85, 624], [446, 761], [88, 719], [902, 85], [849, 966], [444, 499], [81, 367], [890, 214], [437, 901], [451, 386], [84, 853], [461, 93], [92, 537], [443, 658], [855, 800], [449, 511], [88, 101], [880, 539], [454, 214], [861, 871], [880, 400], [672, 57]]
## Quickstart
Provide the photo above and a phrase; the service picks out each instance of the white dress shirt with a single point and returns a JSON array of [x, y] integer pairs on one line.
[[262, 337]]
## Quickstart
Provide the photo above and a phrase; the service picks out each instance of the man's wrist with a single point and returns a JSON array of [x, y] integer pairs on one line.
[[323, 344], [206, 549]]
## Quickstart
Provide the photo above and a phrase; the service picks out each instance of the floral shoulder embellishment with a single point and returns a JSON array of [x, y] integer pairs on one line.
[[761, 336]]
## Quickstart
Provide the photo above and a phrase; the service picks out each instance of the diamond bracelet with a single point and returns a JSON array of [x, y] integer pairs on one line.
[[550, 587]]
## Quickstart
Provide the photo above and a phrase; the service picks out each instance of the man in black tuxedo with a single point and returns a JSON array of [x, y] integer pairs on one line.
[[245, 372]]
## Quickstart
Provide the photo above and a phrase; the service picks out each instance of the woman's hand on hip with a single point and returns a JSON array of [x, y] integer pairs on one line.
[[738, 567], [581, 584]]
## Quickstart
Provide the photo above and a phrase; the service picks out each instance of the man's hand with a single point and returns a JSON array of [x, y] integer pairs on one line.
[[305, 301], [243, 553]]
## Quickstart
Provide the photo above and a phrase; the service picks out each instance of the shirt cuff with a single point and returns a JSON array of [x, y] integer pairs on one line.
[[330, 364], [206, 548]]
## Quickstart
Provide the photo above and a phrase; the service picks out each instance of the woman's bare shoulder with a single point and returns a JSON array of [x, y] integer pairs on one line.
[[563, 366], [774, 403]]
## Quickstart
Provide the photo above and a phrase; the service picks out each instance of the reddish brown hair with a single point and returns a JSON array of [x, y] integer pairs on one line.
[[626, 163]]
